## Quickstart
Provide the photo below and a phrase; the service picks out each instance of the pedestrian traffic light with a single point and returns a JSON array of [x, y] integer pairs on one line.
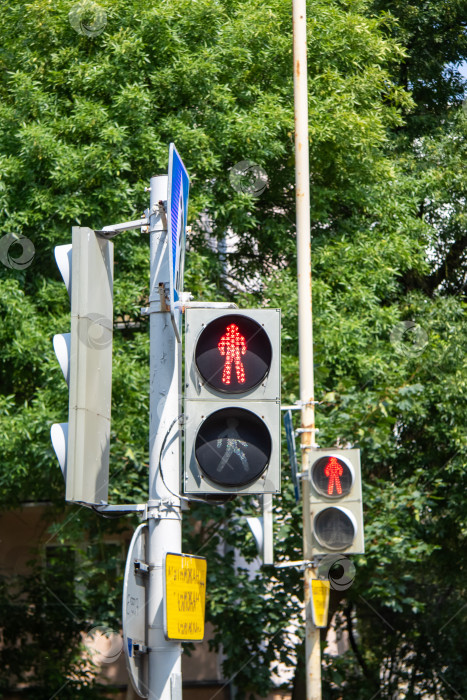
[[85, 356], [232, 401], [336, 501]]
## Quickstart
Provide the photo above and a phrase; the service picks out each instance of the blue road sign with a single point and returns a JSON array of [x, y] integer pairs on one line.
[[289, 432], [177, 211]]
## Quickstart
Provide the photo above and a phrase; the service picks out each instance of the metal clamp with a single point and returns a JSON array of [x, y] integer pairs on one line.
[[120, 509], [158, 301], [187, 304], [141, 567], [114, 229], [163, 509], [162, 213], [301, 564], [163, 299], [298, 405]]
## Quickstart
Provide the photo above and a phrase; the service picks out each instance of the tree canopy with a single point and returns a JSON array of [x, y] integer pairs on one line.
[[85, 120]]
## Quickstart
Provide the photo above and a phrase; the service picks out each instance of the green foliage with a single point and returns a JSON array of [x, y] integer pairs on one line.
[[434, 34], [84, 122], [51, 613]]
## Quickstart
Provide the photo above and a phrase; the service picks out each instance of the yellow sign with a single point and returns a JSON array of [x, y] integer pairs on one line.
[[320, 602], [185, 596]]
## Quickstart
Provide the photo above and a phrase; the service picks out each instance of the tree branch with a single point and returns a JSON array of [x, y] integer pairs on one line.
[[353, 643], [444, 272], [449, 266]]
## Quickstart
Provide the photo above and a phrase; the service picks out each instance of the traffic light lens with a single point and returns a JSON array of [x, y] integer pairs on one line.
[[334, 529], [331, 477], [233, 354], [233, 447], [232, 346]]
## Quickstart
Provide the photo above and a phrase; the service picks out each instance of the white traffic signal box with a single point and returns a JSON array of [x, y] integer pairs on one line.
[[232, 401], [85, 356], [336, 501]]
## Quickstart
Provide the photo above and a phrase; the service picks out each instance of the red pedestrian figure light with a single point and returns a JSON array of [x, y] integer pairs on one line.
[[232, 346], [333, 470]]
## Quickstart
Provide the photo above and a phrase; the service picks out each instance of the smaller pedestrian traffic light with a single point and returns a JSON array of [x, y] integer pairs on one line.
[[232, 401], [336, 501]]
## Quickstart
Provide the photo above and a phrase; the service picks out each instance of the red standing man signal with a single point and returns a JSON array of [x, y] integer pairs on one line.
[[232, 346], [334, 470]]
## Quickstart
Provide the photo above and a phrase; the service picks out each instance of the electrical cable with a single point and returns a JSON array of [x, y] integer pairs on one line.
[[111, 517], [159, 467], [183, 498]]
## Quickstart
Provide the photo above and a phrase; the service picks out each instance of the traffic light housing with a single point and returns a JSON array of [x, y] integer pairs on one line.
[[336, 501], [232, 401], [85, 356]]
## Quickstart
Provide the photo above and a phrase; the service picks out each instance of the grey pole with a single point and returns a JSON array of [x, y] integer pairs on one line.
[[164, 512], [305, 330]]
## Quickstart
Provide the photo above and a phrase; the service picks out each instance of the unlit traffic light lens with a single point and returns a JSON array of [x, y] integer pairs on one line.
[[233, 353], [331, 477], [334, 529], [233, 447]]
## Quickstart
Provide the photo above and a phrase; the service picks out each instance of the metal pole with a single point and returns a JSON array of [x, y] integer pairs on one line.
[[305, 328], [164, 512]]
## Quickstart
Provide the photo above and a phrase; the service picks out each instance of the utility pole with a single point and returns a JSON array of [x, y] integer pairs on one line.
[[152, 639], [164, 508], [305, 330]]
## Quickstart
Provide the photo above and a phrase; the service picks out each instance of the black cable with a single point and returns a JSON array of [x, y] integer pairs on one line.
[[159, 467], [183, 498]]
